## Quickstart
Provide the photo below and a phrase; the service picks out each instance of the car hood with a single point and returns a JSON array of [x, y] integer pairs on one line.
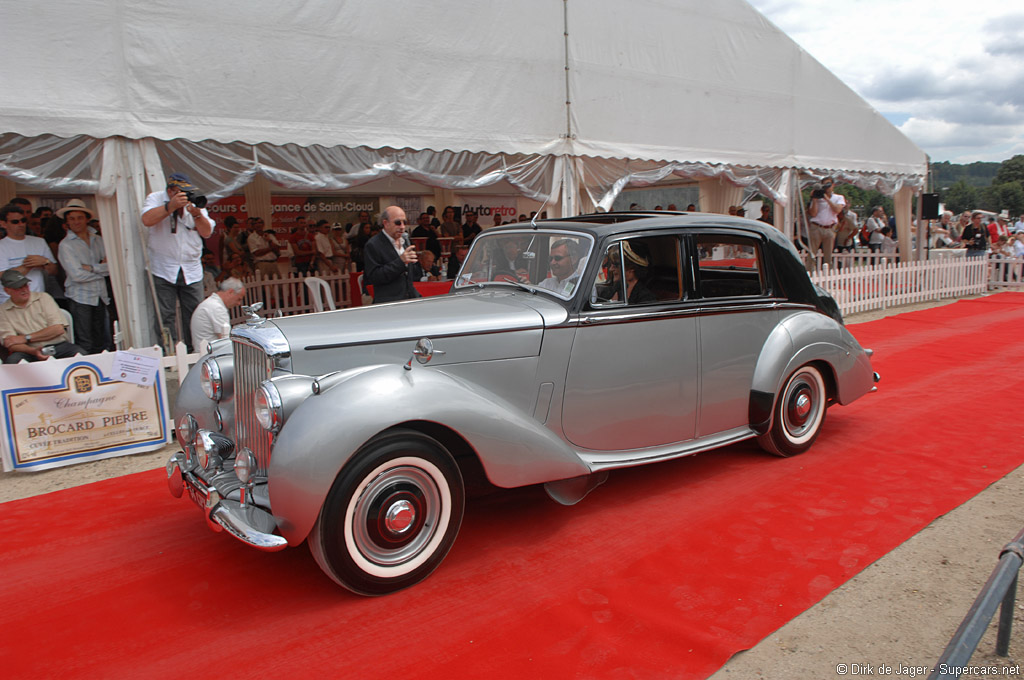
[[380, 331]]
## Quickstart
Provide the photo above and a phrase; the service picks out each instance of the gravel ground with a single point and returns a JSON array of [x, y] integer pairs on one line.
[[899, 612]]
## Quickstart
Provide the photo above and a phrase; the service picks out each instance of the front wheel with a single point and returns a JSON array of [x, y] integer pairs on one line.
[[391, 516], [799, 414]]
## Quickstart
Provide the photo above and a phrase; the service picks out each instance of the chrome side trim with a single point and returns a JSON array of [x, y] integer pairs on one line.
[[622, 459], [416, 338], [598, 318]]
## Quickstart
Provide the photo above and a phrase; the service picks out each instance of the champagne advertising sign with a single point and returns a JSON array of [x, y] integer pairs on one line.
[[65, 411]]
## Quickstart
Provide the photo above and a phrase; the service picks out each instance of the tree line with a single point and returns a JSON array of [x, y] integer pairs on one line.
[[986, 186]]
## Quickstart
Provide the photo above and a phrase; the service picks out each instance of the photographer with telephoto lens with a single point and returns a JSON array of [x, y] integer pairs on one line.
[[178, 223]]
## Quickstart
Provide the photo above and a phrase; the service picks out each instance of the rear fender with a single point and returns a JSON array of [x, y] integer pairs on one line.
[[329, 428], [804, 338]]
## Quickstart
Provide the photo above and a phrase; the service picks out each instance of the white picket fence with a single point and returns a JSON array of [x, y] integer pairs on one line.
[[863, 283], [1006, 272]]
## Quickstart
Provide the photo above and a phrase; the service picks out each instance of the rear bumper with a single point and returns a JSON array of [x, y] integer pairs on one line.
[[246, 522]]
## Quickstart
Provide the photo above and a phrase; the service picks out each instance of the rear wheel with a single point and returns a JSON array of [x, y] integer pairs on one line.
[[391, 516], [799, 413]]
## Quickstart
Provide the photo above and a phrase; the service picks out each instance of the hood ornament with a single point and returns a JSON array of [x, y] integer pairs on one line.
[[253, 319]]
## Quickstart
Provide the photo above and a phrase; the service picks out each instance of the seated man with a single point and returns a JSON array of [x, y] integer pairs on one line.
[[424, 269], [456, 260], [566, 268], [509, 261], [31, 324], [212, 320]]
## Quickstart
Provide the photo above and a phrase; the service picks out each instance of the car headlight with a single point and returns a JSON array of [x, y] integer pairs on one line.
[[210, 379], [187, 430], [269, 408], [212, 447]]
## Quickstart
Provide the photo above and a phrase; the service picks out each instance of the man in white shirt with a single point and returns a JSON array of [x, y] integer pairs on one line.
[[28, 254], [176, 232], [564, 263], [211, 319], [264, 251], [824, 217], [324, 255]]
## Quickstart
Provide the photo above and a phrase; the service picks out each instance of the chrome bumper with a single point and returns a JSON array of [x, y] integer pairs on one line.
[[250, 524]]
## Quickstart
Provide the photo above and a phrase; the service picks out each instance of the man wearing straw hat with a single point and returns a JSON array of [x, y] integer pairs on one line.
[[84, 259]]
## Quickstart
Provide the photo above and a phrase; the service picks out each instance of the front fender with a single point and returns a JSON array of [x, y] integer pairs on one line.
[[190, 397], [801, 339], [327, 429]]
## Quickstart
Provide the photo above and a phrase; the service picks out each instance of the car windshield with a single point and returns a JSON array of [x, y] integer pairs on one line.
[[549, 261]]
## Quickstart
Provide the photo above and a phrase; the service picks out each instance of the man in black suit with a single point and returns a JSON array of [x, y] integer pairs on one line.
[[387, 257]]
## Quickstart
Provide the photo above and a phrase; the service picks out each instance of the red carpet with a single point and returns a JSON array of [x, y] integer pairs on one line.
[[664, 572]]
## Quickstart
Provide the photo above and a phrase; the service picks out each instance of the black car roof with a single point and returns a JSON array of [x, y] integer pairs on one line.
[[604, 224], [789, 269]]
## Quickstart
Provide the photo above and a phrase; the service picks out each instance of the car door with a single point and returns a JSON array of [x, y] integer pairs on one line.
[[631, 381], [737, 313]]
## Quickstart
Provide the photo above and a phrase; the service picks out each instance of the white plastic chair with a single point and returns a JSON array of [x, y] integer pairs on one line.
[[318, 292], [69, 322]]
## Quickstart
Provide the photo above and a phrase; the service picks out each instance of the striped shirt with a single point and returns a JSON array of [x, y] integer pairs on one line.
[[81, 285]]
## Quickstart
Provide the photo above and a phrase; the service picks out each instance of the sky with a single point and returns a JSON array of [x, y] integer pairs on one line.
[[948, 73]]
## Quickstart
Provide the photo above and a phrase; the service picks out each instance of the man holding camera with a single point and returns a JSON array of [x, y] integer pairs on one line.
[[178, 223], [824, 212]]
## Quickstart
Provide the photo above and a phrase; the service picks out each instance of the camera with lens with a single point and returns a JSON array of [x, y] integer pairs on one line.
[[818, 193], [195, 198]]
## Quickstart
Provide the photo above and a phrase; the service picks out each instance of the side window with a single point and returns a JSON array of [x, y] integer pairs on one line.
[[729, 266], [639, 271]]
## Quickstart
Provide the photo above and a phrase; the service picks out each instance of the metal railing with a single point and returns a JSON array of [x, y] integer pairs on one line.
[[1001, 590]]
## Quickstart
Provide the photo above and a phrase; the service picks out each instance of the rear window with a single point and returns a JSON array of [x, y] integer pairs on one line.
[[729, 266]]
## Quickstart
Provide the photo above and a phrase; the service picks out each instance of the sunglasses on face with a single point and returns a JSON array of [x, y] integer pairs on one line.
[[557, 258], [15, 221], [399, 222]]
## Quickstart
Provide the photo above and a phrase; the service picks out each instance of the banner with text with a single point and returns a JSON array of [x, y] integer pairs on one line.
[[64, 411], [489, 207], [336, 209]]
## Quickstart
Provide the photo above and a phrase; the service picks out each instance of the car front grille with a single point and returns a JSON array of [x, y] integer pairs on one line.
[[252, 367]]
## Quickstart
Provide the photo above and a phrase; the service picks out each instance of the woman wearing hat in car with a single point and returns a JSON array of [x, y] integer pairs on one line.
[[634, 271]]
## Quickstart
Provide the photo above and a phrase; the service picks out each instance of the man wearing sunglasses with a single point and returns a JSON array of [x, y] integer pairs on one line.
[[564, 265], [387, 257], [28, 254]]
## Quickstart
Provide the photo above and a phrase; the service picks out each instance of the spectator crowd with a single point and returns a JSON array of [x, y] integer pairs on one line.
[[54, 264]]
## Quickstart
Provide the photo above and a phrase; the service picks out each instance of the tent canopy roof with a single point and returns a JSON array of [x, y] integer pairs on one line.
[[658, 80]]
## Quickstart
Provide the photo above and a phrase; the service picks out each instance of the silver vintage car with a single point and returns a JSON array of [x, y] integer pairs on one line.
[[567, 348]]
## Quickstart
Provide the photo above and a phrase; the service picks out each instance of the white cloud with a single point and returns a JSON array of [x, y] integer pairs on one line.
[[954, 69]]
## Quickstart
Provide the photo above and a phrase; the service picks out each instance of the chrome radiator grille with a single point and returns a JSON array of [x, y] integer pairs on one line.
[[252, 367]]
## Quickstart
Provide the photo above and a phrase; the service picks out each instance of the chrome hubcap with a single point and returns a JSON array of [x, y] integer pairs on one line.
[[804, 400], [803, 406], [400, 517], [396, 515]]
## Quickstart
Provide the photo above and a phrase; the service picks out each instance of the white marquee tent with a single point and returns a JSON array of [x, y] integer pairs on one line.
[[567, 101]]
